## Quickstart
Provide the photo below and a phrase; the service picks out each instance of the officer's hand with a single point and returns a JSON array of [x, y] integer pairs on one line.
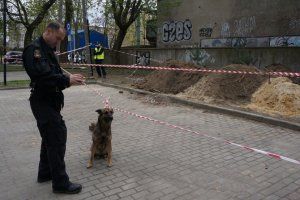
[[76, 79]]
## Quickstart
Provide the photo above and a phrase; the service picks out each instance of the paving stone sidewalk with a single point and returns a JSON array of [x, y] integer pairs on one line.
[[150, 160]]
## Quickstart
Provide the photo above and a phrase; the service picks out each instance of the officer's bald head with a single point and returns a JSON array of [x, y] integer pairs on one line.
[[54, 34]]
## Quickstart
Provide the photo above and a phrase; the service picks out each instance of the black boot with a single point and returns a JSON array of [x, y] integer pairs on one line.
[[71, 188]]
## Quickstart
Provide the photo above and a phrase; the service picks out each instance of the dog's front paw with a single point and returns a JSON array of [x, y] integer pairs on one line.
[[89, 166]]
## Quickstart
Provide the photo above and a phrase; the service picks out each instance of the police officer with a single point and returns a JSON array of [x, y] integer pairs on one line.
[[99, 58], [46, 101]]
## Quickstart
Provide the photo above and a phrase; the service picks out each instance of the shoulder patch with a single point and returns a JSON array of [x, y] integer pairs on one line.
[[37, 53]]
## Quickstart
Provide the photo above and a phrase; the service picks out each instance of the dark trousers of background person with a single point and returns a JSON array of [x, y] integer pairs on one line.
[[100, 70], [53, 131]]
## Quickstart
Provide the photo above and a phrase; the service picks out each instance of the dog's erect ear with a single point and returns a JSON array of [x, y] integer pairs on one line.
[[99, 111]]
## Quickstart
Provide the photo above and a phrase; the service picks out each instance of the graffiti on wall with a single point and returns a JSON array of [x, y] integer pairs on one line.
[[143, 58], [177, 31], [199, 57], [287, 41], [225, 30], [244, 26], [241, 27], [205, 32], [250, 42], [294, 23], [221, 42]]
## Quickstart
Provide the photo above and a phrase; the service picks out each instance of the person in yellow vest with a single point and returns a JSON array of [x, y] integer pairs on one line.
[[99, 59]]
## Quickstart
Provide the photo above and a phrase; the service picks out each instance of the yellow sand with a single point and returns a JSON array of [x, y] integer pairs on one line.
[[279, 97]]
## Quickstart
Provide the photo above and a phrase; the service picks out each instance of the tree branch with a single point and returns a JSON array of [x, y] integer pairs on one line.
[[136, 8], [12, 18], [42, 14], [24, 11], [125, 12]]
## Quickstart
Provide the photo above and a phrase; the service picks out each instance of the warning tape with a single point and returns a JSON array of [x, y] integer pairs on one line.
[[290, 74], [106, 101], [58, 53], [107, 104], [151, 59], [211, 137]]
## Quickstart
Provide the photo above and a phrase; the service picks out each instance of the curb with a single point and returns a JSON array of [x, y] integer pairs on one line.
[[219, 109], [14, 88]]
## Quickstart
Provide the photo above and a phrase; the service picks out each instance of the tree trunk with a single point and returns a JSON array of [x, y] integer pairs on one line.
[[117, 46], [63, 48], [28, 36], [68, 19]]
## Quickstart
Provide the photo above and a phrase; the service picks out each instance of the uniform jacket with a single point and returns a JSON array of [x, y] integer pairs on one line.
[[47, 79]]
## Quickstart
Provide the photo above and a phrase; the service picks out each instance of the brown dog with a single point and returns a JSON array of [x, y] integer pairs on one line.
[[101, 145]]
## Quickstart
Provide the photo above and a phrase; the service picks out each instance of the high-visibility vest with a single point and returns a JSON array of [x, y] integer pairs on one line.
[[98, 56]]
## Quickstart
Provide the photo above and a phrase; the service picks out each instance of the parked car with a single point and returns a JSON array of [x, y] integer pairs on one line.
[[13, 57]]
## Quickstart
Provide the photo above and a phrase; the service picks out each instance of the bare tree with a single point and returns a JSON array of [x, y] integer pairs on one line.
[[125, 12], [18, 13]]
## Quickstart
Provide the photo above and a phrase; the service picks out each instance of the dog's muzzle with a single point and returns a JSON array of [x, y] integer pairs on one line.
[[108, 119]]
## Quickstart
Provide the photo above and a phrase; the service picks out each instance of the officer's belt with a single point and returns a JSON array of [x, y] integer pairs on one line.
[[45, 90]]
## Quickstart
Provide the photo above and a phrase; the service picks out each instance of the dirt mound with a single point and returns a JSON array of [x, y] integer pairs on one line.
[[277, 68], [224, 87], [170, 81], [279, 97], [281, 68]]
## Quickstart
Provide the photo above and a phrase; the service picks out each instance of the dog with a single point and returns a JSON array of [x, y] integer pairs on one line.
[[101, 135]]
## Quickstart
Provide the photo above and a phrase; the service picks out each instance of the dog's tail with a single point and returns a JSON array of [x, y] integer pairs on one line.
[[92, 127]]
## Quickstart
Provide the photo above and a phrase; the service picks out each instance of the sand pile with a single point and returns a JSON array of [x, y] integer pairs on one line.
[[280, 97], [225, 88], [170, 81]]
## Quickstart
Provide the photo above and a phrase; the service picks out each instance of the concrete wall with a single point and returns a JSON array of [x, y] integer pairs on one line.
[[214, 33], [213, 58], [187, 22]]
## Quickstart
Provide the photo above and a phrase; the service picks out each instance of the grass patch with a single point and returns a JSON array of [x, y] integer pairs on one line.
[[15, 83], [11, 68]]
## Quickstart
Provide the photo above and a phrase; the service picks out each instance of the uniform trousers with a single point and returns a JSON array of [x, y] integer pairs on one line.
[[53, 132], [100, 70]]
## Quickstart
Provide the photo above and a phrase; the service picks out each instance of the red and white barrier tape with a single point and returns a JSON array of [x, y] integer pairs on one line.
[[58, 53], [152, 59], [211, 137], [291, 74], [107, 104]]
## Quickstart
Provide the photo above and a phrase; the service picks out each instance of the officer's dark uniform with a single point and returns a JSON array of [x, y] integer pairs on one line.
[[46, 101]]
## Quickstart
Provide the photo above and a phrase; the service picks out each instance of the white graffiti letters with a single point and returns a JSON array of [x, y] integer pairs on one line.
[[244, 26], [177, 31], [225, 32]]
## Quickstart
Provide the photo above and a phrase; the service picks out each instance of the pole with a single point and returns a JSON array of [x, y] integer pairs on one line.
[[60, 18], [4, 38], [138, 31], [89, 38], [86, 36]]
